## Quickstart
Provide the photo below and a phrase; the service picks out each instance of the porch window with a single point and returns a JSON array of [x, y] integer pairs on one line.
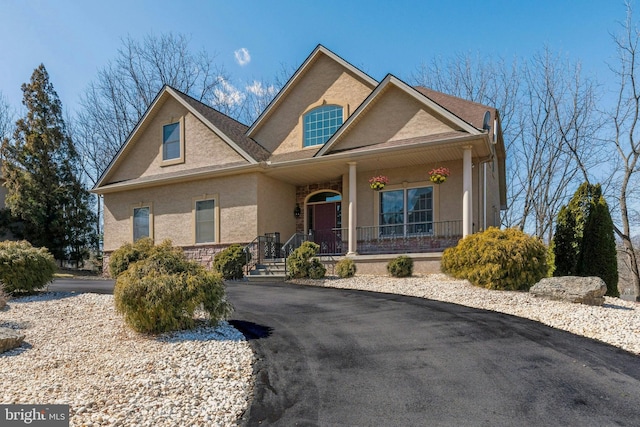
[[141, 223], [406, 212], [320, 123], [205, 221]]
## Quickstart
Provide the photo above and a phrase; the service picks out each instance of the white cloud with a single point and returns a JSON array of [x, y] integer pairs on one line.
[[226, 95], [258, 89], [242, 56]]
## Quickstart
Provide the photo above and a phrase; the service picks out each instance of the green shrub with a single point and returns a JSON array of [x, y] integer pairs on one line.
[[299, 262], [230, 262], [316, 269], [346, 268], [498, 259], [23, 268], [584, 240], [160, 292], [401, 266], [127, 254]]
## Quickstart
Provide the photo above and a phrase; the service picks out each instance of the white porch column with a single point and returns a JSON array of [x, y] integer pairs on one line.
[[467, 192], [352, 209]]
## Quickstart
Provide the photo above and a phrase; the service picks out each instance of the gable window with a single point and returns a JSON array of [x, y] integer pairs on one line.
[[320, 124], [205, 221], [141, 223], [406, 212], [171, 141]]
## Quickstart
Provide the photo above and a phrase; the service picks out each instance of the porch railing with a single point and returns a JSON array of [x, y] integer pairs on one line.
[[262, 248], [390, 239]]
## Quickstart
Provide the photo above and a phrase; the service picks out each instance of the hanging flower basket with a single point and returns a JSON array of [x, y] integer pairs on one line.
[[439, 175], [377, 183]]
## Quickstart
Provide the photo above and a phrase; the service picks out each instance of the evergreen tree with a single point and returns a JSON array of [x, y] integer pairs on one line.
[[598, 252], [42, 176], [584, 242], [565, 244]]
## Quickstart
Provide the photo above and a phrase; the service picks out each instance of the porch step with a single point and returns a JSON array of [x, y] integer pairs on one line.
[[269, 271]]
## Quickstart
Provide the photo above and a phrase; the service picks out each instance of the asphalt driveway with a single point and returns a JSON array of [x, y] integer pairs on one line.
[[332, 357]]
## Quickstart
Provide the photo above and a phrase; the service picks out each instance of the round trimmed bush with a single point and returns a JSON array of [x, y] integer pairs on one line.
[[401, 266], [316, 269], [346, 268], [299, 263], [230, 262], [160, 293], [127, 254], [23, 268], [498, 259]]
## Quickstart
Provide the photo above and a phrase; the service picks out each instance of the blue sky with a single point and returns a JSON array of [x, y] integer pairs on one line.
[[74, 39]]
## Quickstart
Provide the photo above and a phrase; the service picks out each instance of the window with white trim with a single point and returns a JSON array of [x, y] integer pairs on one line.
[[205, 221], [171, 141], [406, 212], [320, 124], [141, 223]]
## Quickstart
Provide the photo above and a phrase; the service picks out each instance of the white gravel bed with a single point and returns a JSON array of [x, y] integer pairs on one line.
[[617, 322], [79, 352]]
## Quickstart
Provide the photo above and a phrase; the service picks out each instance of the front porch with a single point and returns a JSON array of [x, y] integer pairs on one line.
[[377, 245], [389, 239]]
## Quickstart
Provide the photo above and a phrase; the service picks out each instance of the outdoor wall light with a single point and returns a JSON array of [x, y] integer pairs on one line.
[[297, 211]]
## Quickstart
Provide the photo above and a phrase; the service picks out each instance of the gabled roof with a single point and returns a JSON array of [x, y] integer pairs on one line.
[[379, 91], [319, 50], [228, 129], [471, 112]]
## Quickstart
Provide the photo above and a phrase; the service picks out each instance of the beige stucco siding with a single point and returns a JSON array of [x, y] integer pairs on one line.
[[202, 147], [394, 116], [276, 201], [326, 82], [172, 207]]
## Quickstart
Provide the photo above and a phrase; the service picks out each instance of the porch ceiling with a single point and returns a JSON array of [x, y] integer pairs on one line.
[[332, 166]]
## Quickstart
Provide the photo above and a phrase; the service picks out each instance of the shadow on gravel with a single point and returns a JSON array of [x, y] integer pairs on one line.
[[250, 330]]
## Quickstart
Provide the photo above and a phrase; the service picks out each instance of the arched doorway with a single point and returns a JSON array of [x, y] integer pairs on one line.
[[324, 221]]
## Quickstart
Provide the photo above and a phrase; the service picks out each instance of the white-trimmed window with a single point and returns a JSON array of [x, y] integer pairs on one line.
[[406, 212], [173, 143], [320, 124], [141, 222]]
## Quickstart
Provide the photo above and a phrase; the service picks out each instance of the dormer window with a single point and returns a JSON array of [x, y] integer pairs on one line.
[[321, 123], [173, 143]]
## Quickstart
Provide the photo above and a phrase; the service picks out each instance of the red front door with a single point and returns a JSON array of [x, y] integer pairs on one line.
[[324, 223]]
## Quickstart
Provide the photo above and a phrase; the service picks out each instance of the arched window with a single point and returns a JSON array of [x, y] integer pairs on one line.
[[320, 123]]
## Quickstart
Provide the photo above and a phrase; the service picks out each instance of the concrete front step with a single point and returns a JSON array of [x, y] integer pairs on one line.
[[268, 272], [265, 278]]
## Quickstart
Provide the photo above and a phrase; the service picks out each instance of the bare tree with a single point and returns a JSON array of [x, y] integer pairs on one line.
[[114, 103], [625, 119], [548, 121], [6, 118]]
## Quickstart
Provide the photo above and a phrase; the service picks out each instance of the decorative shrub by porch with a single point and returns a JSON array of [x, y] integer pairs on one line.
[[23, 268], [161, 291], [301, 263], [401, 266], [498, 259], [346, 268], [230, 262]]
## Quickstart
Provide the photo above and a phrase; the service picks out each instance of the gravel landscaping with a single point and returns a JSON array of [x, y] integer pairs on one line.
[[78, 351]]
